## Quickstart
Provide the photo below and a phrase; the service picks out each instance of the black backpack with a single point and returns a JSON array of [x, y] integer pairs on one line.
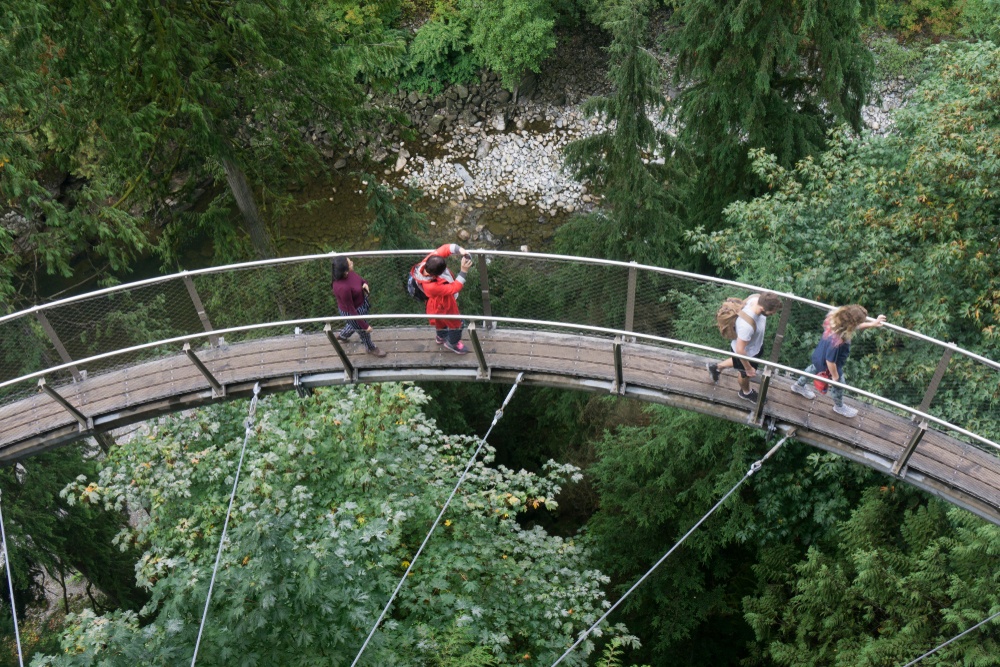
[[413, 288]]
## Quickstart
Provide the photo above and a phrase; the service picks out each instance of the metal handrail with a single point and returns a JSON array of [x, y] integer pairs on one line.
[[512, 320], [498, 253]]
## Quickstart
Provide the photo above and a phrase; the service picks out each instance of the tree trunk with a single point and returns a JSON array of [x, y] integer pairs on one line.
[[259, 236]]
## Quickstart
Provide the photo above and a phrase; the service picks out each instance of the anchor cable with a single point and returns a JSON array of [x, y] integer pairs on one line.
[[225, 524], [753, 468], [468, 466], [956, 637], [10, 587]]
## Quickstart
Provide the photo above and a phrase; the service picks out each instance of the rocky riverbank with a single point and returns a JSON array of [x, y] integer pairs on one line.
[[477, 146]]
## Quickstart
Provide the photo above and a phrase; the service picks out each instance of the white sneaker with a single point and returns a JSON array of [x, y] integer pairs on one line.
[[803, 390], [846, 411]]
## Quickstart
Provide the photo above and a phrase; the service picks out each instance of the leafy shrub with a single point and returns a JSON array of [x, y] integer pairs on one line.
[[336, 493], [930, 18], [893, 59], [440, 53], [981, 20], [397, 224], [363, 18], [511, 36]]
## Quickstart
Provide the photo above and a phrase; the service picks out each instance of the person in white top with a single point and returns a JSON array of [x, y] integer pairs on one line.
[[748, 342]]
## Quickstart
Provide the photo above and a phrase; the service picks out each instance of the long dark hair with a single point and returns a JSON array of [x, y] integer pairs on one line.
[[340, 267]]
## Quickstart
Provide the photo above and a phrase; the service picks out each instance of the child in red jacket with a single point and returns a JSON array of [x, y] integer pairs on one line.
[[436, 281]]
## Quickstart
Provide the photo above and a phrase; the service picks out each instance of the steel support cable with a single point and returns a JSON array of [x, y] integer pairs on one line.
[[225, 524], [753, 468], [10, 587], [955, 638], [468, 466]]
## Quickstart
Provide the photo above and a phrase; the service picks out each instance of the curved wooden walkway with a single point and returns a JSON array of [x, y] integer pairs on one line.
[[960, 473]]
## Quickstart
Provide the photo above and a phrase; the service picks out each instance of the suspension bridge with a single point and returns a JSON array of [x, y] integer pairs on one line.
[[89, 364]]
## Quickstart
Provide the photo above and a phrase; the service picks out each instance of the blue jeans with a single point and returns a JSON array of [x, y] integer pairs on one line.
[[836, 392]]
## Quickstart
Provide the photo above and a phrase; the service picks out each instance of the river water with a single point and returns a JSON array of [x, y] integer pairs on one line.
[[331, 215]]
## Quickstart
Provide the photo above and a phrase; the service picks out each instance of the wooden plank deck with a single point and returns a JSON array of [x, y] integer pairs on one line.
[[960, 473]]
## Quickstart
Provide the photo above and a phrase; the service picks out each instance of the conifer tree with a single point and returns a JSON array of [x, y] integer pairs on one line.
[[641, 190], [512, 36], [773, 74], [397, 224]]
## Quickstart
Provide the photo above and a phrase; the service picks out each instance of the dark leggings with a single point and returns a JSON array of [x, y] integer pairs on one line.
[[351, 326], [452, 336]]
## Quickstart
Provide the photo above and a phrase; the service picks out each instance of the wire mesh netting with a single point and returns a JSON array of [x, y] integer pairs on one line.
[[24, 349], [892, 364], [122, 319], [274, 293], [559, 291], [969, 396]]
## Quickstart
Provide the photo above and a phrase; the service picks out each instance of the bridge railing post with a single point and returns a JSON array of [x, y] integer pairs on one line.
[[899, 467], [85, 422], [936, 379], [484, 285], [619, 385], [350, 373], [765, 382], [911, 446], [56, 343], [477, 347], [630, 298], [200, 309], [218, 389], [779, 336]]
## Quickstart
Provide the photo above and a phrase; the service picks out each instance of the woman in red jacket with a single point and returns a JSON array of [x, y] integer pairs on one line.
[[436, 281], [351, 292]]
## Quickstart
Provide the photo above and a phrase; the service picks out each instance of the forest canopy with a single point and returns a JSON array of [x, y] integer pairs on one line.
[[730, 138]]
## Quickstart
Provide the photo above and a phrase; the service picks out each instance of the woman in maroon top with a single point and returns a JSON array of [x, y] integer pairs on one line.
[[351, 292]]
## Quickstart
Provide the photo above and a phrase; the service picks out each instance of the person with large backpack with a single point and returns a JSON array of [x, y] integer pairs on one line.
[[432, 277], [832, 351], [744, 322]]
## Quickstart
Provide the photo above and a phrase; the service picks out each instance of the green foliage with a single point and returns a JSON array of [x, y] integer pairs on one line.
[[981, 20], [36, 98], [147, 101], [903, 224], [363, 19], [773, 74], [397, 224], [656, 480], [454, 649], [508, 36], [893, 59], [511, 36], [440, 53], [642, 190], [891, 582], [51, 536], [336, 494], [613, 652], [833, 563], [933, 19]]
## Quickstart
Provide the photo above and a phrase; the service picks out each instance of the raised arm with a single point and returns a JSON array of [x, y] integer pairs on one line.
[[877, 322]]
